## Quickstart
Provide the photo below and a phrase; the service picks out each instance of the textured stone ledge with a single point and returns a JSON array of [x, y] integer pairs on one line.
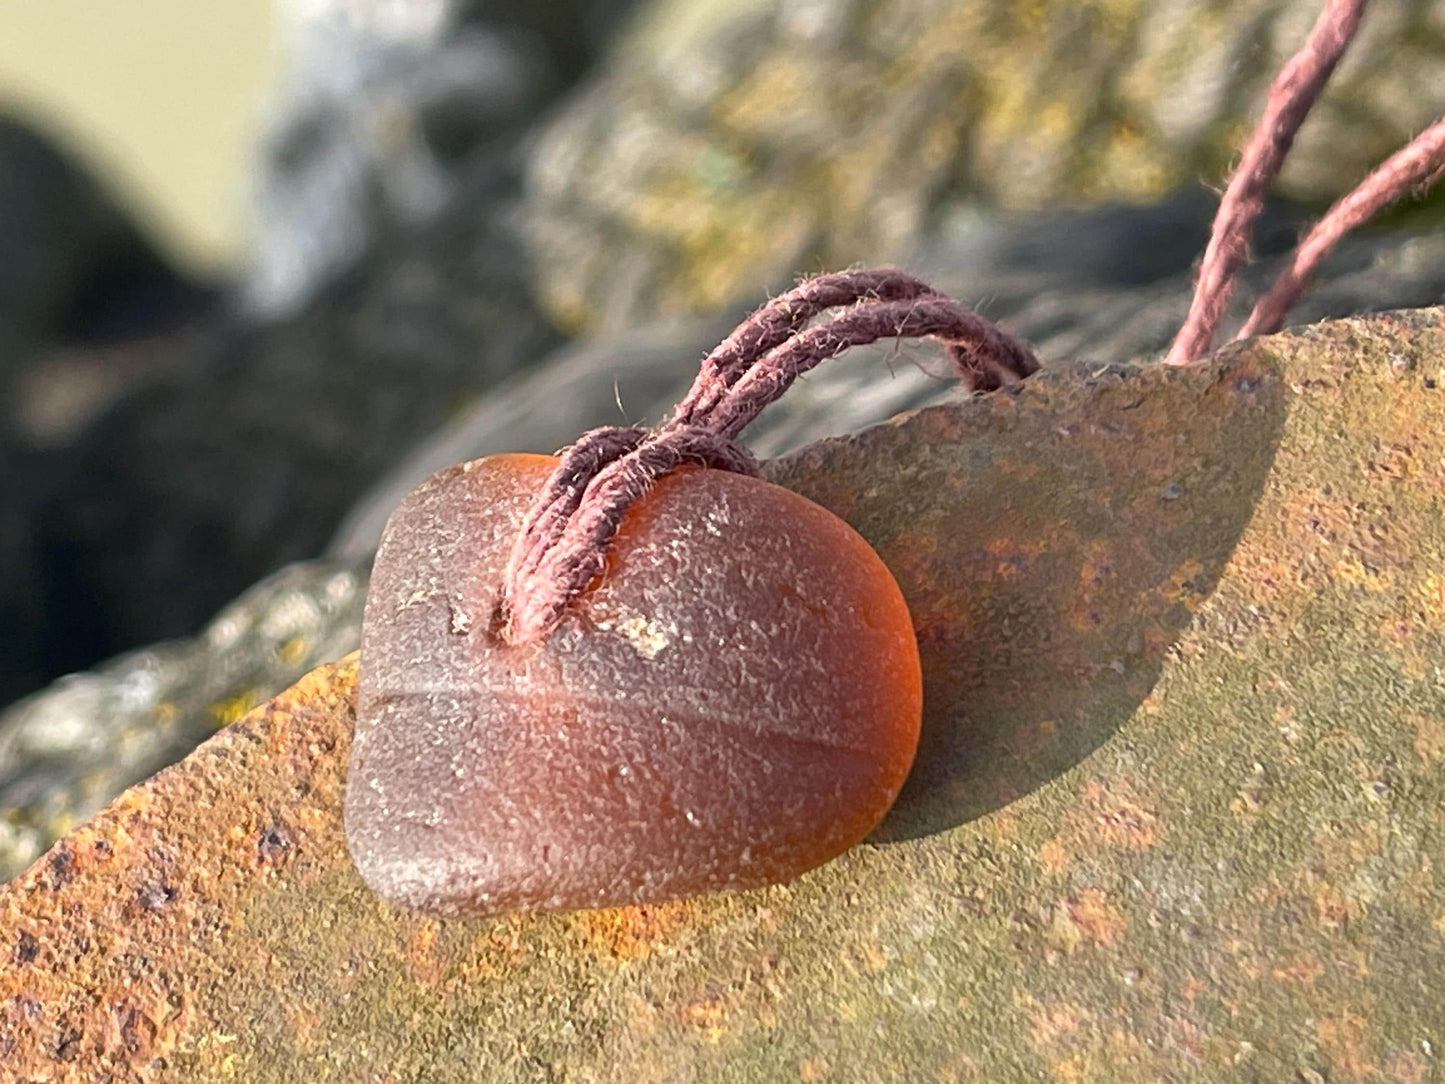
[[1176, 813]]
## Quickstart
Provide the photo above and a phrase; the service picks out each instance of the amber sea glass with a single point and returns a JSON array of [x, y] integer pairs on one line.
[[735, 701]]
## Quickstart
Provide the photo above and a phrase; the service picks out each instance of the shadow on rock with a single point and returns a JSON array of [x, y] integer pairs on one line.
[[1052, 542]]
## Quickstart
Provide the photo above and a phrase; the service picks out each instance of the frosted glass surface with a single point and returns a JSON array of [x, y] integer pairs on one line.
[[735, 701]]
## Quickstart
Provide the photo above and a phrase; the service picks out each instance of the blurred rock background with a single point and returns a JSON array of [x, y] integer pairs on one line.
[[477, 225]]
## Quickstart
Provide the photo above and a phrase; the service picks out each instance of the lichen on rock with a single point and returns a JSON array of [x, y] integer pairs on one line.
[[729, 144]]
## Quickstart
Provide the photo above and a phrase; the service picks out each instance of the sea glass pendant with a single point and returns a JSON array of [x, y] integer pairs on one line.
[[735, 701]]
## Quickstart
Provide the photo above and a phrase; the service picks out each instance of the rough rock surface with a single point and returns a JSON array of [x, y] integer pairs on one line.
[[68, 752], [1175, 817], [728, 143]]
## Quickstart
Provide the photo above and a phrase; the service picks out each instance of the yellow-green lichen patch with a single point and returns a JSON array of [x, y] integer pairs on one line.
[[733, 144]]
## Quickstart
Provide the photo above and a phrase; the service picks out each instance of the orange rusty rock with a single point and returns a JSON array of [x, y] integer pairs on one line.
[[1301, 940], [735, 702], [122, 941]]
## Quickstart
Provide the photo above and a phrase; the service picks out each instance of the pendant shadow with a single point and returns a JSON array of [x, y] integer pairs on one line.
[[1052, 541]]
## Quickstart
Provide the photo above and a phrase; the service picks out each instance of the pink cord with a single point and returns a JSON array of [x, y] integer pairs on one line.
[[1412, 170], [1291, 95], [565, 538]]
